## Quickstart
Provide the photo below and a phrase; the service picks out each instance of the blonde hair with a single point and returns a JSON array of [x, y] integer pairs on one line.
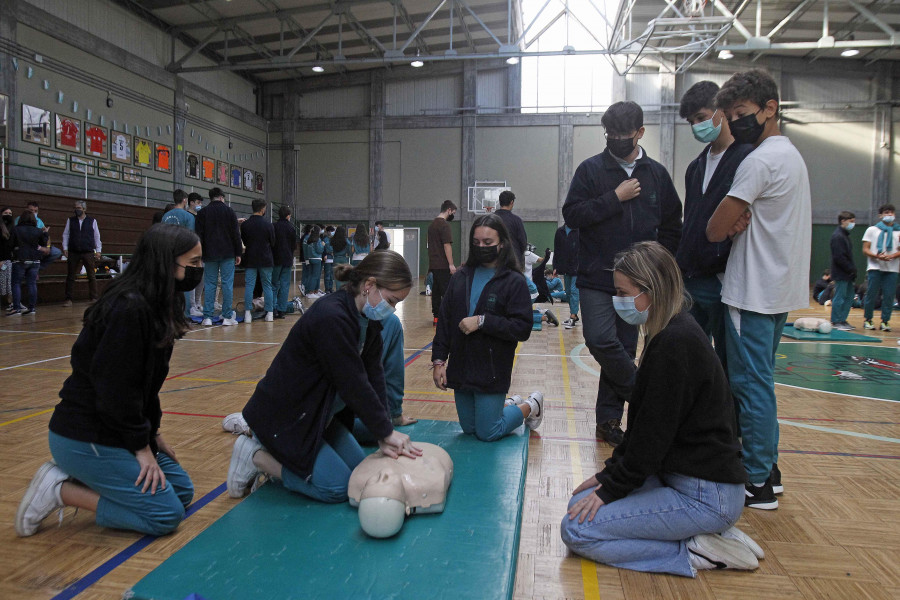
[[387, 267], [653, 270]]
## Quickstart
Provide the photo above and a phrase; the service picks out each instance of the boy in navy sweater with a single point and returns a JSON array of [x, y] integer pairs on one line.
[[843, 271]]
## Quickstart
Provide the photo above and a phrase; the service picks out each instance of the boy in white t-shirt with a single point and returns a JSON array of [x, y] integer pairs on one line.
[[881, 245], [768, 215]]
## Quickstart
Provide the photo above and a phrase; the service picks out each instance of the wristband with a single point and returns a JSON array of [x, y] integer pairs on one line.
[[480, 321], [437, 363]]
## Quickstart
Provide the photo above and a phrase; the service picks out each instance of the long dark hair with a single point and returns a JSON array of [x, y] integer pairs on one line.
[[339, 241], [151, 276], [361, 236], [507, 256]]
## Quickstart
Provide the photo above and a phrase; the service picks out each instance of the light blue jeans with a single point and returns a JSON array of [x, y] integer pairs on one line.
[[886, 282], [484, 416], [111, 472], [751, 345], [211, 271], [281, 281], [265, 274], [648, 529], [571, 283], [330, 478], [708, 310], [842, 301]]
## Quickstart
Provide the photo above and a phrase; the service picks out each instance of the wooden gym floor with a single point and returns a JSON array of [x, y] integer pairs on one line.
[[835, 535]]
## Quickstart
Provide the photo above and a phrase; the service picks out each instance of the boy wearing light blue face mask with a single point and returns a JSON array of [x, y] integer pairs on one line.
[[706, 181], [843, 271], [881, 245]]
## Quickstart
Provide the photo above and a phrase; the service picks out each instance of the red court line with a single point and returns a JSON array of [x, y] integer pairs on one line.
[[221, 362]]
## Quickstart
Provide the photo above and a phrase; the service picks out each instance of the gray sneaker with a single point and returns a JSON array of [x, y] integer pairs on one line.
[[242, 472], [41, 498]]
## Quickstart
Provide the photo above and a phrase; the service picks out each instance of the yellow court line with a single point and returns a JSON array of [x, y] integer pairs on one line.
[[43, 412], [589, 577], [516, 357]]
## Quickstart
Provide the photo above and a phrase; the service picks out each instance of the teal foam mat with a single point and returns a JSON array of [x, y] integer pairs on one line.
[[275, 544], [834, 336]]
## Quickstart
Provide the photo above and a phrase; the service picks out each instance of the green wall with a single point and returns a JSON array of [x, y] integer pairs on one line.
[[541, 233], [821, 250]]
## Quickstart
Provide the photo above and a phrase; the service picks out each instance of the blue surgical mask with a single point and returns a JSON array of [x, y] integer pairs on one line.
[[380, 311], [626, 310], [705, 131], [888, 219], [849, 226]]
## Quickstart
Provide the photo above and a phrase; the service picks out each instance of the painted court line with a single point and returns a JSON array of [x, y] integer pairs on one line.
[[867, 436], [43, 412], [37, 362], [797, 387], [221, 362]]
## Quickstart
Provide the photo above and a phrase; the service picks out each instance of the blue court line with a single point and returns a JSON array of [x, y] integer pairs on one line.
[[417, 353], [95, 575]]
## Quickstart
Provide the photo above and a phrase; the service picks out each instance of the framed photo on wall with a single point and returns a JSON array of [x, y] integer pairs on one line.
[[53, 159], [236, 177], [132, 175], [221, 172], [83, 165], [191, 165], [35, 125], [260, 183], [108, 170], [68, 133], [208, 169], [96, 140], [143, 153], [248, 180], [120, 147], [163, 158]]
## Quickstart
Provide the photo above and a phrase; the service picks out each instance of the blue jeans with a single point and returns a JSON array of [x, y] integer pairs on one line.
[[265, 274], [330, 478], [570, 281], [648, 529], [27, 274], [886, 282], [328, 270], [212, 268], [484, 416], [111, 472], [315, 274], [281, 281], [843, 299], [752, 342], [51, 258], [708, 310], [613, 343]]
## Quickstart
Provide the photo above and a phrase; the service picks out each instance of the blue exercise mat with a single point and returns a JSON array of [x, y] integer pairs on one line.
[[835, 335], [279, 545]]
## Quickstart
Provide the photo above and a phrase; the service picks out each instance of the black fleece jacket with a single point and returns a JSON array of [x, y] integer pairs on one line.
[[482, 361], [842, 266], [680, 417]]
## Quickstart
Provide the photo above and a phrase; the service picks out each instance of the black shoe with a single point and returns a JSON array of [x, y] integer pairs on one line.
[[611, 432], [278, 314], [775, 480], [551, 318], [760, 497]]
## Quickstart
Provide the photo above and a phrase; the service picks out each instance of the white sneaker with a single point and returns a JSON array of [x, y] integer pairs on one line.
[[41, 498], [242, 472], [235, 423], [207, 322], [196, 312], [536, 402], [270, 316], [712, 551], [302, 289], [513, 400], [217, 306], [311, 296], [231, 321], [248, 317], [733, 533]]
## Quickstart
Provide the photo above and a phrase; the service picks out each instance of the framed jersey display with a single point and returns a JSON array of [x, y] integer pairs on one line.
[[208, 169], [120, 147], [82, 165], [221, 172], [108, 170], [236, 177], [163, 155], [248, 180], [35, 125], [132, 175], [143, 153], [96, 140], [68, 133], [260, 183], [191, 165]]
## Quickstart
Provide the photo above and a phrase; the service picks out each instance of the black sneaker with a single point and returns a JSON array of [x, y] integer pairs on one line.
[[761, 497], [775, 480], [551, 318], [611, 432]]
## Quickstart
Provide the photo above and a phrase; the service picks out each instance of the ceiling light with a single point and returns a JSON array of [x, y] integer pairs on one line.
[[318, 69], [417, 63], [512, 60], [850, 52], [725, 54]]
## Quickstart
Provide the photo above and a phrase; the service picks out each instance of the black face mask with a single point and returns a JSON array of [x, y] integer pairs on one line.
[[620, 148], [451, 216], [485, 254], [746, 129], [192, 278], [8, 219], [79, 213]]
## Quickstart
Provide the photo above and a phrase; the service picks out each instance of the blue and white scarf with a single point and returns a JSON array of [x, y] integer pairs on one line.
[[885, 242]]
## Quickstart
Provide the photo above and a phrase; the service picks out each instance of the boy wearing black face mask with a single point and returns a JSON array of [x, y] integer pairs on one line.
[[767, 274], [440, 254], [617, 198]]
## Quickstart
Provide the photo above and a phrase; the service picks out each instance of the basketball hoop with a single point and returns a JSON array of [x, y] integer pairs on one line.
[[484, 196]]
